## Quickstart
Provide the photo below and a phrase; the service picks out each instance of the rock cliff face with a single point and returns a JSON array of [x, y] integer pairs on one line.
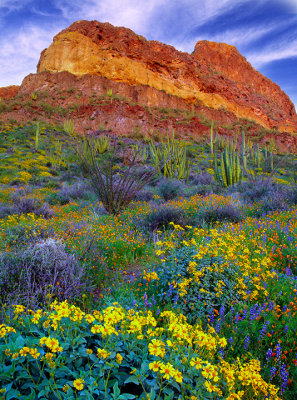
[[215, 75]]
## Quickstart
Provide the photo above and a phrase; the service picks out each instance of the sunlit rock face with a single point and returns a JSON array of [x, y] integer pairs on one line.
[[215, 75]]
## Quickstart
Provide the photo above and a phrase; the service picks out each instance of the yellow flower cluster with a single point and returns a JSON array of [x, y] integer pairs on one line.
[[172, 347], [25, 351], [150, 276], [5, 330], [101, 353], [78, 384], [167, 370], [51, 343], [251, 258], [156, 348], [248, 375]]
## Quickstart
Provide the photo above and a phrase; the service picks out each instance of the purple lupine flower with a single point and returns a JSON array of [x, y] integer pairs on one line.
[[244, 315], [217, 327], [286, 328], [278, 351], [231, 339], [222, 311], [269, 354], [263, 330], [222, 353], [145, 299], [284, 377], [272, 372], [246, 342], [211, 317]]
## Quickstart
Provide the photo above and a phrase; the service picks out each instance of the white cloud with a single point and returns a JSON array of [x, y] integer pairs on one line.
[[234, 37], [138, 15], [19, 53], [20, 50], [276, 51]]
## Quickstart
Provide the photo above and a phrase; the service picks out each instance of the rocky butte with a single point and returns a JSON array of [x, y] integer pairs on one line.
[[215, 74], [215, 80]]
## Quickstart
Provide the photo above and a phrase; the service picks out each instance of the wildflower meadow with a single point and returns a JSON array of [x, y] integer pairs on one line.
[[132, 269]]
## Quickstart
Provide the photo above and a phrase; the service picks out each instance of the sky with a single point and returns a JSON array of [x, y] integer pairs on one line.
[[264, 31]]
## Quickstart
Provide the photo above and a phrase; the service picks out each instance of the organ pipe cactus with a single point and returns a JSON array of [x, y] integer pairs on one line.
[[243, 151], [229, 171], [211, 138], [37, 132], [170, 158]]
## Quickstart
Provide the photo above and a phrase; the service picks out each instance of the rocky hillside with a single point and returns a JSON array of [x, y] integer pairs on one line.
[[214, 82], [215, 74]]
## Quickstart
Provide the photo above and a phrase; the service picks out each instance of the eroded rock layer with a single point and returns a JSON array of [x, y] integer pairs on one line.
[[215, 75]]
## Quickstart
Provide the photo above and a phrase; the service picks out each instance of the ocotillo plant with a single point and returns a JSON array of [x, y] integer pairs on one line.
[[229, 171], [115, 188]]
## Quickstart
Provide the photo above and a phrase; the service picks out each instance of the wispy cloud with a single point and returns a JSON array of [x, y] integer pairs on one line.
[[178, 22], [276, 51], [234, 37], [19, 53], [12, 5]]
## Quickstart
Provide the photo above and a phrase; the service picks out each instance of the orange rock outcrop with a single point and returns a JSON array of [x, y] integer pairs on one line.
[[215, 75], [8, 92]]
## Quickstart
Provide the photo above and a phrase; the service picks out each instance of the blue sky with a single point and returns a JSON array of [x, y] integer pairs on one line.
[[264, 31]]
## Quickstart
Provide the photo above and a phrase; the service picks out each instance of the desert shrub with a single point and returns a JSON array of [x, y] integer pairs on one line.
[[205, 190], [256, 190], [201, 179], [27, 205], [292, 196], [20, 236], [78, 190], [144, 195], [57, 198], [6, 210], [228, 213], [161, 217], [44, 268], [21, 192], [179, 288], [169, 189]]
